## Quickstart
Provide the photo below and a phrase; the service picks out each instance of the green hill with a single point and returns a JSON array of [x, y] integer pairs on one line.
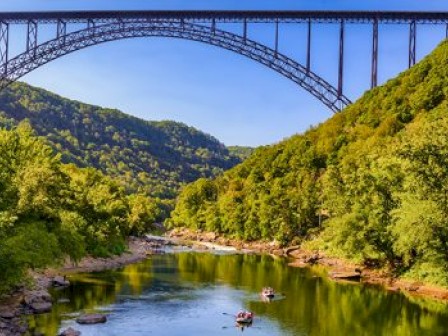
[[243, 152], [153, 157], [377, 173]]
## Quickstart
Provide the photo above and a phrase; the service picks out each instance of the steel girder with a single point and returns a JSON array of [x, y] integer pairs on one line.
[[96, 34], [230, 16]]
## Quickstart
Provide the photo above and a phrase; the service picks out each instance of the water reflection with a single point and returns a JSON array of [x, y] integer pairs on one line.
[[198, 293]]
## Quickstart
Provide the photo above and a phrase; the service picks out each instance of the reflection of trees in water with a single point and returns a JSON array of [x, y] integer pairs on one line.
[[89, 291], [314, 306], [318, 306]]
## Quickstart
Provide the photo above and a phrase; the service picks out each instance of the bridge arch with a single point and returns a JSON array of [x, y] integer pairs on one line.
[[65, 44]]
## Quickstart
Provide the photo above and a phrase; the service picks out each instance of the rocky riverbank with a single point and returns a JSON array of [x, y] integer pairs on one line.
[[338, 269], [34, 298]]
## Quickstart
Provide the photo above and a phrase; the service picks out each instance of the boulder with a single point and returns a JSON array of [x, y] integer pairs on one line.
[[36, 296], [40, 307], [37, 302], [210, 236], [91, 319], [70, 332], [277, 252], [8, 314], [313, 259], [413, 287], [346, 275], [60, 281], [22, 329], [293, 251]]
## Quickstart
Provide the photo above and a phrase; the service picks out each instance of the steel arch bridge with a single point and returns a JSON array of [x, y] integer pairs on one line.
[[94, 27]]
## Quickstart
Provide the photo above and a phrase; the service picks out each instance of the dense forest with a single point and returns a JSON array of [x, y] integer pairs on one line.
[[145, 156], [370, 184], [243, 152], [77, 179], [49, 210]]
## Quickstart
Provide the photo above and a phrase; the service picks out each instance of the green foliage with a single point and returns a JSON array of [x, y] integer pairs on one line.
[[49, 210], [33, 245], [376, 173], [156, 158], [12, 271], [241, 151]]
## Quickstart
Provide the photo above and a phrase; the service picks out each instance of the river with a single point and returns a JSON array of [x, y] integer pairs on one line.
[[193, 293]]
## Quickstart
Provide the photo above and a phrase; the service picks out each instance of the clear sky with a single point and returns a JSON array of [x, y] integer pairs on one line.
[[233, 98]]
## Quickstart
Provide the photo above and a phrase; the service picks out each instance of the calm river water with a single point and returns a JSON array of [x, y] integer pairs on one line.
[[197, 293]]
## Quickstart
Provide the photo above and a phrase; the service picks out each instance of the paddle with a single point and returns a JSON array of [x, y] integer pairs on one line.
[[244, 327]]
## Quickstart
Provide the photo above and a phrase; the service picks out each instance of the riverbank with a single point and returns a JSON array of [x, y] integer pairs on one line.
[[34, 298], [338, 269]]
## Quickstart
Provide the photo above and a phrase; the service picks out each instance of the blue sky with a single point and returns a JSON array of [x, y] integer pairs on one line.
[[222, 93]]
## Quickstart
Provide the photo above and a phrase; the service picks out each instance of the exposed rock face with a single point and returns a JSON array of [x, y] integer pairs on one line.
[[91, 319], [70, 332]]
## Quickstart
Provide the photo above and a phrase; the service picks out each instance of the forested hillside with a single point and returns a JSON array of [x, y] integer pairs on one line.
[[377, 173], [242, 152], [49, 210], [152, 157]]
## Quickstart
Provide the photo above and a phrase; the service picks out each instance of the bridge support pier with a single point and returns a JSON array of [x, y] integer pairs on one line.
[[276, 38], [308, 48], [31, 38], [374, 79], [61, 29], [412, 43], [245, 30], [341, 59], [213, 26]]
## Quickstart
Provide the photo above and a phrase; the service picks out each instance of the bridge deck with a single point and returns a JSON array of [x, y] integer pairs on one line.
[[230, 16]]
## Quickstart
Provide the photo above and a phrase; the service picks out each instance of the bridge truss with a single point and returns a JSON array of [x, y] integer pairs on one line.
[[77, 30]]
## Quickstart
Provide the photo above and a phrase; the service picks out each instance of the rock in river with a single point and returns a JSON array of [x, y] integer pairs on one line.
[[70, 332], [37, 302], [91, 319], [40, 307], [346, 275], [60, 281], [8, 314]]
